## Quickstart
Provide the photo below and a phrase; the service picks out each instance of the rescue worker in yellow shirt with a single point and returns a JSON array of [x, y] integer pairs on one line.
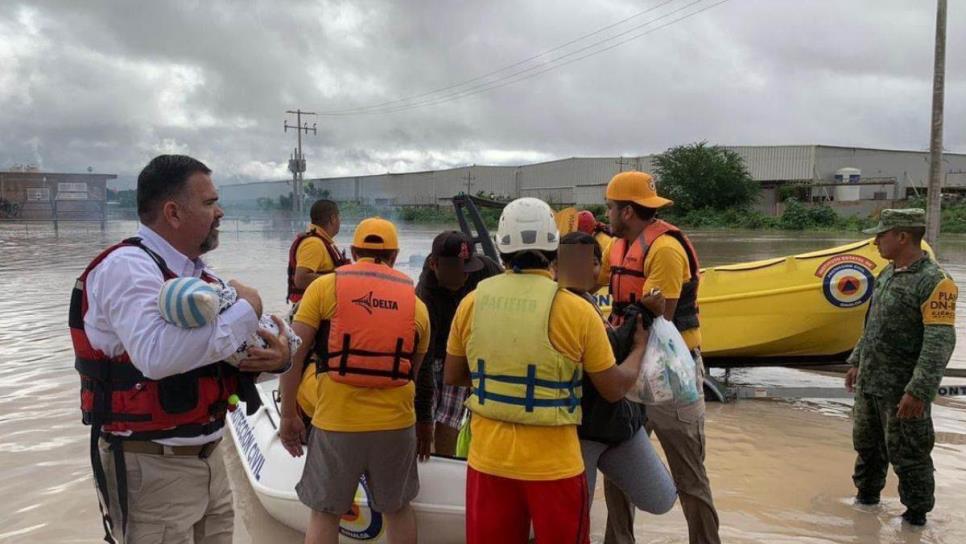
[[370, 333], [523, 343], [651, 253], [313, 254]]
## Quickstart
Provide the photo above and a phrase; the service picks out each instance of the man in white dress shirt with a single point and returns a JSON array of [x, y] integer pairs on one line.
[[154, 391]]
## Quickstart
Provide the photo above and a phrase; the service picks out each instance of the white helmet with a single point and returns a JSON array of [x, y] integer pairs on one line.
[[527, 223]]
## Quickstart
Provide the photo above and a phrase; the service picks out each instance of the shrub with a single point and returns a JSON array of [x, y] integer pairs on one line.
[[795, 217]]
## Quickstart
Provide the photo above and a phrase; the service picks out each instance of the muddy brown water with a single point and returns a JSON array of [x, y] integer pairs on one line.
[[780, 470]]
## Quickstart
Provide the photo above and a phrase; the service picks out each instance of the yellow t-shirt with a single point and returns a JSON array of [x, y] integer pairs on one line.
[[605, 242], [532, 452], [312, 254], [347, 408], [666, 268]]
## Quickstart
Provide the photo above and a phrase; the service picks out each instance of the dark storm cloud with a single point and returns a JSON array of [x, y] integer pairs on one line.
[[110, 84]]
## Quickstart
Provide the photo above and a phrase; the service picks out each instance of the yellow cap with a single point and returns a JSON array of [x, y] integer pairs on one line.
[[375, 233], [636, 187]]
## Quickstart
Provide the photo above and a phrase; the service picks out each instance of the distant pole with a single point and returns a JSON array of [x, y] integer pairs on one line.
[[296, 163], [469, 180], [936, 141], [621, 162]]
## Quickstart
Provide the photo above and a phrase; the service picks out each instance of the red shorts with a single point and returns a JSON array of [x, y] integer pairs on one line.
[[502, 509]]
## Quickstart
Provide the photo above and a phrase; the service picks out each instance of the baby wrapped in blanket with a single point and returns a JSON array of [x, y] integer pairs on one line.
[[193, 302]]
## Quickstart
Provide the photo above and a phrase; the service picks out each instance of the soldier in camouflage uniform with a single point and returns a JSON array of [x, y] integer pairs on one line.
[[897, 366]]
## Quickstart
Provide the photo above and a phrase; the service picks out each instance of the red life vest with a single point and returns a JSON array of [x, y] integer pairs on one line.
[[294, 294], [117, 397], [371, 339], [627, 275]]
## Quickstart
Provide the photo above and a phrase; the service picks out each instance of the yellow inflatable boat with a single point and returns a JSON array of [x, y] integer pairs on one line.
[[807, 307], [802, 309]]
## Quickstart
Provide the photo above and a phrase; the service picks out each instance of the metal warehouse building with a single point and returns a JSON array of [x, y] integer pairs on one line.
[[854, 180]]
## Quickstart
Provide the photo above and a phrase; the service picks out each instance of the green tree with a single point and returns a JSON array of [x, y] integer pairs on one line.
[[314, 192], [795, 216], [285, 202], [700, 176]]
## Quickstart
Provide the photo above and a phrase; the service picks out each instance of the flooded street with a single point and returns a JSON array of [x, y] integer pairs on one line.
[[780, 470]]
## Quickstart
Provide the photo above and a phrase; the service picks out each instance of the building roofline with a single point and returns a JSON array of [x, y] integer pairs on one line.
[[38, 173], [857, 148], [887, 150], [563, 159]]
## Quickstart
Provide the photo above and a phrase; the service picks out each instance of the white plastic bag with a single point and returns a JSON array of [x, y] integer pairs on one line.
[[667, 373]]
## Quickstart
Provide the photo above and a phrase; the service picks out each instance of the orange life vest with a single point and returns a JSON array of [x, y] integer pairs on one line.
[[293, 293], [371, 339], [627, 274]]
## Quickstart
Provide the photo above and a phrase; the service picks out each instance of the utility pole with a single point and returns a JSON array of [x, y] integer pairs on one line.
[[936, 141], [621, 162], [469, 180], [296, 164]]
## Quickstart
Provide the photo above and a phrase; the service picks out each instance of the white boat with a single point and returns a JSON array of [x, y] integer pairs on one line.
[[273, 473]]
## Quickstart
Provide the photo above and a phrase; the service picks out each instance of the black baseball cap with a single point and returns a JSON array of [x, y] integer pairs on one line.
[[452, 243]]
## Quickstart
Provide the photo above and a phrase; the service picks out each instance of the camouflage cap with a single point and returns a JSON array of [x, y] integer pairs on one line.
[[891, 218]]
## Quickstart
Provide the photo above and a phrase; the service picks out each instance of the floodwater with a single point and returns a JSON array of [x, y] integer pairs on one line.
[[780, 470]]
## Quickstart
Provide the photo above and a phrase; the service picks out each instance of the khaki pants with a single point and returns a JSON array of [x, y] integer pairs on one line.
[[620, 515], [171, 499], [681, 432]]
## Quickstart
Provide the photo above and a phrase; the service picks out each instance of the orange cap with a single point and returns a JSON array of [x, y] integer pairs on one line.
[[375, 233], [636, 187]]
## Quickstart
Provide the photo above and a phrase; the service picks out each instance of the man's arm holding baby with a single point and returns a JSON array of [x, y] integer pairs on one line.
[[126, 286]]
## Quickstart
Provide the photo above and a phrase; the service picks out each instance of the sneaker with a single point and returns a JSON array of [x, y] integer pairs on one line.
[[914, 518], [867, 499]]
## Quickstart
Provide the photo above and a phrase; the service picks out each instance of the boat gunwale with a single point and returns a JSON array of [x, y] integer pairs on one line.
[[829, 252], [779, 260], [261, 489]]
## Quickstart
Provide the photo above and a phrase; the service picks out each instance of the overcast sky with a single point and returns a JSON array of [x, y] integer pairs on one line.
[[111, 84]]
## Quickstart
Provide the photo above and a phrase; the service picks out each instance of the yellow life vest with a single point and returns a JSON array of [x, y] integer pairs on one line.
[[518, 376]]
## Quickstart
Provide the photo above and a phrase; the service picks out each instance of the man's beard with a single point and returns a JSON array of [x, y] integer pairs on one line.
[[211, 241], [617, 228]]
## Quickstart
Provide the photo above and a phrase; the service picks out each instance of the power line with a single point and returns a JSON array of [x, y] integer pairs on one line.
[[503, 69], [471, 89], [546, 67], [512, 78]]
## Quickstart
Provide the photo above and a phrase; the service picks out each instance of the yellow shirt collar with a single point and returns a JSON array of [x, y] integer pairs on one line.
[[534, 271]]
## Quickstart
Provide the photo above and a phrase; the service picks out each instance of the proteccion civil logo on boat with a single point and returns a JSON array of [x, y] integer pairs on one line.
[[361, 522], [847, 280]]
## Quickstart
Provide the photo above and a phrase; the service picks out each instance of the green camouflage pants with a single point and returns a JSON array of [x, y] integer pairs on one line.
[[880, 438]]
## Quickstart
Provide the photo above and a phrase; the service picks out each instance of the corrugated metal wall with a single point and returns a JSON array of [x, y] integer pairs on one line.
[[774, 163], [586, 195], [340, 189], [582, 180], [566, 181], [499, 180], [249, 193], [909, 168]]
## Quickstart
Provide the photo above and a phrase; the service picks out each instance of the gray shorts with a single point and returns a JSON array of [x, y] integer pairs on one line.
[[337, 460]]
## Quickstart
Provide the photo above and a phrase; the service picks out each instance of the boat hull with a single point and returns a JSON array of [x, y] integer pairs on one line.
[[273, 474], [799, 310]]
